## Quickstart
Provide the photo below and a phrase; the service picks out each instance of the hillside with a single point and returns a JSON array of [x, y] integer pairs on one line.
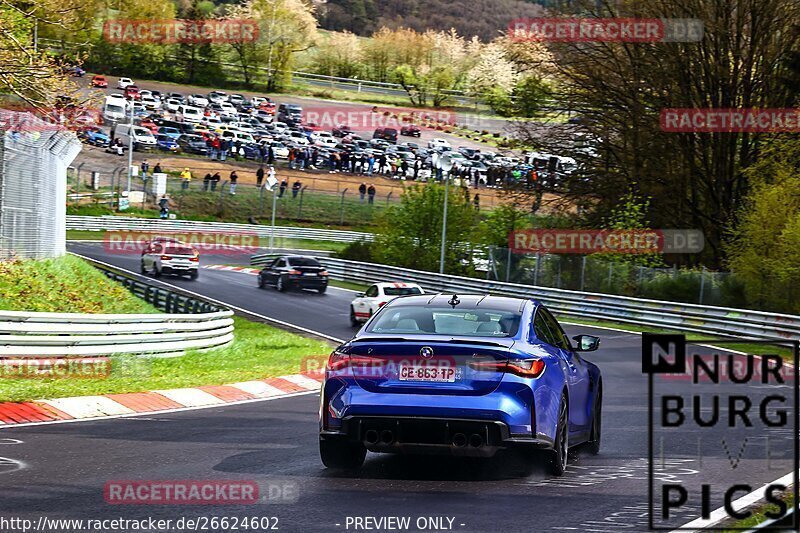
[[484, 18]]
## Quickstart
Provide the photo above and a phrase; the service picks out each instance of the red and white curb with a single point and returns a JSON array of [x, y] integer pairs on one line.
[[117, 405], [246, 270]]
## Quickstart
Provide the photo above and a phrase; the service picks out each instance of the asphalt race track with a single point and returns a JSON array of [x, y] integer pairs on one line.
[[59, 470]]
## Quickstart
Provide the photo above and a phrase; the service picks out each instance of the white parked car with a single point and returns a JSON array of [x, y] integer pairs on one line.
[[376, 296], [438, 143], [188, 113], [169, 256], [198, 100], [149, 102], [172, 105], [228, 109], [280, 127], [279, 149], [124, 83], [298, 138], [327, 142]]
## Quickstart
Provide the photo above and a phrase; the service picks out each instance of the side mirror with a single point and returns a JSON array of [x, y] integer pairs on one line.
[[586, 343]]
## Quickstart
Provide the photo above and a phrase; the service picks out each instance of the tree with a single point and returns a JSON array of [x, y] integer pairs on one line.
[[338, 55], [762, 250], [619, 89], [411, 233], [198, 61]]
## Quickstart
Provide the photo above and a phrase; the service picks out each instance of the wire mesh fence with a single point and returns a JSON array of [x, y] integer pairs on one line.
[[34, 156], [593, 274]]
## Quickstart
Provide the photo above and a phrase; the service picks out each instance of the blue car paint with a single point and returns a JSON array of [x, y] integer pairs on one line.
[[505, 398]]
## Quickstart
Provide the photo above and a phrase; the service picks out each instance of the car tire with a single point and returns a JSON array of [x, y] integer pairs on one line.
[[280, 285], [322, 290], [260, 281], [142, 268], [353, 322], [559, 456], [341, 454], [597, 417], [156, 271], [194, 274]]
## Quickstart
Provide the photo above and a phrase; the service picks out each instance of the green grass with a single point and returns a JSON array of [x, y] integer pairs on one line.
[[63, 285], [759, 515], [258, 351]]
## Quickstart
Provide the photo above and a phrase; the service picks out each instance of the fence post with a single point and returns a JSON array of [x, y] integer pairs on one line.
[[221, 204], [300, 205], [261, 202], [341, 208], [388, 197], [702, 284], [536, 271], [78, 182], [508, 265], [583, 272], [610, 274], [558, 278]]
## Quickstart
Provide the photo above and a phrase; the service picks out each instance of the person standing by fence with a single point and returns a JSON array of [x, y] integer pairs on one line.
[[259, 176], [207, 181], [234, 177], [186, 176], [371, 194], [362, 191]]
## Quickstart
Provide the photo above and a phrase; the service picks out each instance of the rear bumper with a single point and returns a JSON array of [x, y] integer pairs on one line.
[[433, 435], [174, 269], [302, 282]]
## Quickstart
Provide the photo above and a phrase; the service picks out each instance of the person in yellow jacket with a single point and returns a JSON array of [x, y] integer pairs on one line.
[[186, 177]]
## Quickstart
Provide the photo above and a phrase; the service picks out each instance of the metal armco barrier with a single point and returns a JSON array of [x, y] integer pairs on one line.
[[652, 313], [105, 223], [190, 324]]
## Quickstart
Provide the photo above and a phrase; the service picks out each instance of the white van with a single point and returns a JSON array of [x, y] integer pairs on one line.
[[187, 113], [114, 111], [142, 138]]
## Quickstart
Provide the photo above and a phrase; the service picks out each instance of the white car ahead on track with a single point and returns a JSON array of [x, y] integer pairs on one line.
[[122, 83], [376, 296]]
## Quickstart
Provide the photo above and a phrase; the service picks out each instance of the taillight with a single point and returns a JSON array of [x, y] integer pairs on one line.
[[382, 304], [195, 259], [526, 368], [338, 361], [166, 257], [295, 272], [323, 273]]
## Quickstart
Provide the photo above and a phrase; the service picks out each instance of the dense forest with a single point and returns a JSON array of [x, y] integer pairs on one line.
[[483, 18]]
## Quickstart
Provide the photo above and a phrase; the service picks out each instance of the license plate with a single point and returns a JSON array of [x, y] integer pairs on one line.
[[427, 373], [309, 273]]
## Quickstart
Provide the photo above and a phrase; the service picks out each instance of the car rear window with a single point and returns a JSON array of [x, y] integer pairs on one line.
[[401, 291], [180, 250], [303, 262], [446, 321]]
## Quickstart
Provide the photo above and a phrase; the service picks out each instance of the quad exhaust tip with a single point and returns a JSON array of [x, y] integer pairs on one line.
[[371, 437], [475, 440], [459, 440], [387, 437]]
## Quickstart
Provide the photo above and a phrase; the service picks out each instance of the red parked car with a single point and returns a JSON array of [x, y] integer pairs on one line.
[[99, 81], [132, 92]]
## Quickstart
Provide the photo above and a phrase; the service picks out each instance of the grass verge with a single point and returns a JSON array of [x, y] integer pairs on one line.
[[63, 285]]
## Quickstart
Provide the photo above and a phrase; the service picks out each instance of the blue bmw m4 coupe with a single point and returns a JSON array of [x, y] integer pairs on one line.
[[463, 375]]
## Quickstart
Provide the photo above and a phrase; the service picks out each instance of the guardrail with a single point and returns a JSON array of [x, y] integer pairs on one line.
[[190, 324], [110, 222], [653, 313]]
